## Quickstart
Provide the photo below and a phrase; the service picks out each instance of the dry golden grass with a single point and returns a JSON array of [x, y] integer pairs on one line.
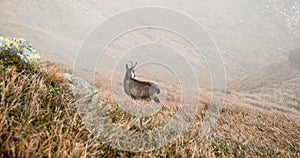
[[39, 119], [241, 131]]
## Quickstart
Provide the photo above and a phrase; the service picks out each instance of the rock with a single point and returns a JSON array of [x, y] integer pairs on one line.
[[79, 85], [21, 48], [91, 103], [84, 89]]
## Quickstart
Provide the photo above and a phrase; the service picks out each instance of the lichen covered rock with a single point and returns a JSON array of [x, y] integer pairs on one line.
[[90, 101], [19, 47]]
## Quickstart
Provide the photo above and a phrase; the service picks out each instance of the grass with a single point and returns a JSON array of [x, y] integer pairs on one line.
[[38, 118]]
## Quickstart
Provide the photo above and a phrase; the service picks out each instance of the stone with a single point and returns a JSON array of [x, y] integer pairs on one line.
[[21, 48]]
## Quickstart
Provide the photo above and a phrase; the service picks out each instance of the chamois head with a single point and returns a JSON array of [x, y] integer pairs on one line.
[[130, 70]]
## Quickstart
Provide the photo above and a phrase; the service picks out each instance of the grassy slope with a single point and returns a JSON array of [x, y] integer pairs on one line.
[[275, 87], [38, 118]]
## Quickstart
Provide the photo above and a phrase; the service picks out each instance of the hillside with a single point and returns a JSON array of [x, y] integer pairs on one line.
[[51, 126], [279, 75], [275, 87], [39, 118]]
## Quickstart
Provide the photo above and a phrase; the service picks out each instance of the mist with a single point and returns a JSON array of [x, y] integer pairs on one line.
[[249, 34]]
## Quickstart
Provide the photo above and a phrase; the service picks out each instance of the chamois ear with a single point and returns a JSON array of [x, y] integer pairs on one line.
[[126, 66], [131, 64]]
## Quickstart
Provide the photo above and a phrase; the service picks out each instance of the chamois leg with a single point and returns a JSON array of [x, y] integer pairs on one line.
[[155, 98]]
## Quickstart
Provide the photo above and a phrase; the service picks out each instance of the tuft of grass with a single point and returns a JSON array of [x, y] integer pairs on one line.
[[38, 116]]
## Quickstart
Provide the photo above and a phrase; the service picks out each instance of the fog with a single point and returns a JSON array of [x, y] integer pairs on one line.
[[249, 34]]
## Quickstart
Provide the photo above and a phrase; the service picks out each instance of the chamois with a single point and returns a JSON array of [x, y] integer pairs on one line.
[[139, 89]]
